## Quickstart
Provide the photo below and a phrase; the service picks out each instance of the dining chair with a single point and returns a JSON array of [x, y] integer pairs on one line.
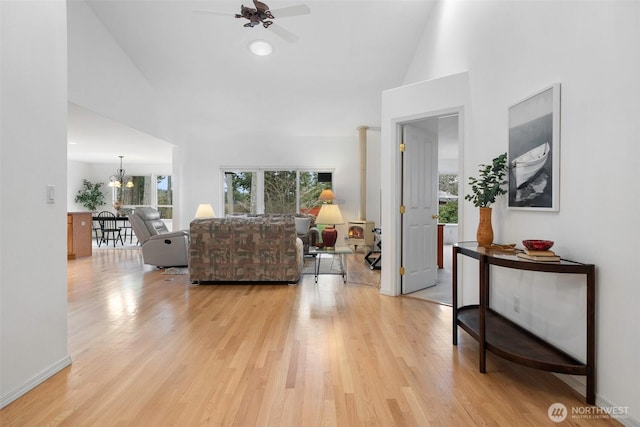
[[95, 226], [125, 224], [109, 228]]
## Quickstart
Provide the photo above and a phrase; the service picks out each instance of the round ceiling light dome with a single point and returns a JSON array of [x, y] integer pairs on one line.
[[260, 47]]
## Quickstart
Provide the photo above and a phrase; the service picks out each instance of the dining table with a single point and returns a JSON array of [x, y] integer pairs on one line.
[[128, 232]]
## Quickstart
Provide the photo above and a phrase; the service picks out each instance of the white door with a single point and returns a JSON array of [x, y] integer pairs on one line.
[[420, 201]]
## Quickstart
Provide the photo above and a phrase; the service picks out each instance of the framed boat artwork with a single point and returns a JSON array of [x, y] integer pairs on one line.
[[534, 151]]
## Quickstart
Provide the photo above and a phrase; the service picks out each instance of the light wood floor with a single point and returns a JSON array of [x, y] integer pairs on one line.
[[153, 350]]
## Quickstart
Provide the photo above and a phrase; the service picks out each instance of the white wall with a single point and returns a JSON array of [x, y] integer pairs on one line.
[[511, 50], [103, 79], [33, 302], [100, 172], [200, 161], [76, 172]]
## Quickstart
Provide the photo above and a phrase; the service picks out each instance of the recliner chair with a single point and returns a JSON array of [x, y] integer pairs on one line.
[[160, 247]]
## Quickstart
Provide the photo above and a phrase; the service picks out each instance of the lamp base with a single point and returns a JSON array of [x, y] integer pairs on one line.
[[329, 237]]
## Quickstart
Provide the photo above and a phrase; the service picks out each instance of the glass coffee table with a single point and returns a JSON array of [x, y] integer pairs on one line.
[[342, 252]]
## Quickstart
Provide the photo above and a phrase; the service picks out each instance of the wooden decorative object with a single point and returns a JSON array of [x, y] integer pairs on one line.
[[484, 235]]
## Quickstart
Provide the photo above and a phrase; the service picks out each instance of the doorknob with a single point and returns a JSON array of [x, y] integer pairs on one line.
[[435, 216]]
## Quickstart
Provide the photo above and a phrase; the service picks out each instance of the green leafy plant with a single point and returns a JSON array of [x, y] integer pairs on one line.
[[490, 184], [448, 213], [90, 196]]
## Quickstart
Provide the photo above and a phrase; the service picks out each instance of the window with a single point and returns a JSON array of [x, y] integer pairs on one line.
[[164, 196], [280, 191], [273, 191], [239, 192], [448, 199], [139, 194], [155, 191], [311, 185]]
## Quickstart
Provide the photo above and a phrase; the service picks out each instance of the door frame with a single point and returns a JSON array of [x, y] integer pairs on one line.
[[419, 101]]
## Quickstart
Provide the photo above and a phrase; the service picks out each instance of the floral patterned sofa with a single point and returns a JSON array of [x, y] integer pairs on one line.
[[260, 248]]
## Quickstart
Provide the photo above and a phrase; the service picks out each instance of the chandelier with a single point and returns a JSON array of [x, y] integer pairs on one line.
[[118, 179]]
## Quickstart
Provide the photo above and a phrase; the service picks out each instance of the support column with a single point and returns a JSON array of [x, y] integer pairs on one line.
[[362, 138]]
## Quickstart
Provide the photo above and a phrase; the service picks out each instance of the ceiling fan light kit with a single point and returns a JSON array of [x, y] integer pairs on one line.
[[260, 47]]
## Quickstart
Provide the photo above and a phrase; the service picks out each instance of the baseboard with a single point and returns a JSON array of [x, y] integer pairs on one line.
[[607, 407], [573, 382], [623, 418], [35, 381]]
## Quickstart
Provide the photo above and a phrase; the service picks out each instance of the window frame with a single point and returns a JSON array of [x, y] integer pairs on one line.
[[158, 206], [153, 202], [260, 188]]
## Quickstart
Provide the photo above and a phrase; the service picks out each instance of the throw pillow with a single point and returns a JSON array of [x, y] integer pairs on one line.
[[302, 225]]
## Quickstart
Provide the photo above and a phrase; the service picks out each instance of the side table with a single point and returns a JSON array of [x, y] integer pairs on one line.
[[341, 251], [501, 336]]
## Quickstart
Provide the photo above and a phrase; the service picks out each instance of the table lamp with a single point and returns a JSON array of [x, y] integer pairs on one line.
[[330, 215], [205, 210], [327, 196]]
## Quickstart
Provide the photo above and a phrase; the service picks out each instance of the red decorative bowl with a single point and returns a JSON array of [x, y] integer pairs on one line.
[[537, 245]]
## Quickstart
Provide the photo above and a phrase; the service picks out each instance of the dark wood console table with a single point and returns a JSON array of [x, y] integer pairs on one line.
[[508, 340]]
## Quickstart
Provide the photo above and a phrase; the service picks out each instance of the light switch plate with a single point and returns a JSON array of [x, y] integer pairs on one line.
[[51, 193]]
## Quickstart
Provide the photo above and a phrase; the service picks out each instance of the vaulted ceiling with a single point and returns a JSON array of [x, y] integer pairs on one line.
[[328, 82]]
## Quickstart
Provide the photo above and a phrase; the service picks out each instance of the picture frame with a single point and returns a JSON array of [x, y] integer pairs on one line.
[[534, 151]]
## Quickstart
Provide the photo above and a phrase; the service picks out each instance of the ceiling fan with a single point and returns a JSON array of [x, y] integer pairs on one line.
[[261, 14]]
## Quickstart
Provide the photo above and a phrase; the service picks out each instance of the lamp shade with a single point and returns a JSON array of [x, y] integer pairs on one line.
[[327, 195], [205, 211], [330, 215]]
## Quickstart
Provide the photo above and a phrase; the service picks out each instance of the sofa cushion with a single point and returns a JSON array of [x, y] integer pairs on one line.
[[302, 225]]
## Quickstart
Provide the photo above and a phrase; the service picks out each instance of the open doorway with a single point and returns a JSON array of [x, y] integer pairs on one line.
[[430, 98], [447, 130]]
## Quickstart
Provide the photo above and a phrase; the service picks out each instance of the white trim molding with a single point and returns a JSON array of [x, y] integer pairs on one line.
[[35, 381]]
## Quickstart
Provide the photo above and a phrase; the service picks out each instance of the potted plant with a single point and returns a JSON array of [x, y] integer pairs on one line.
[[485, 189], [90, 196]]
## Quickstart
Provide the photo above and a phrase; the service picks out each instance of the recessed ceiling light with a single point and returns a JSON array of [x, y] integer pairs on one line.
[[260, 47]]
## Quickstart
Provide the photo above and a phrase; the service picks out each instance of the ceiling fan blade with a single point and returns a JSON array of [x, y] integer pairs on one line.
[[212, 12], [285, 34], [283, 12]]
